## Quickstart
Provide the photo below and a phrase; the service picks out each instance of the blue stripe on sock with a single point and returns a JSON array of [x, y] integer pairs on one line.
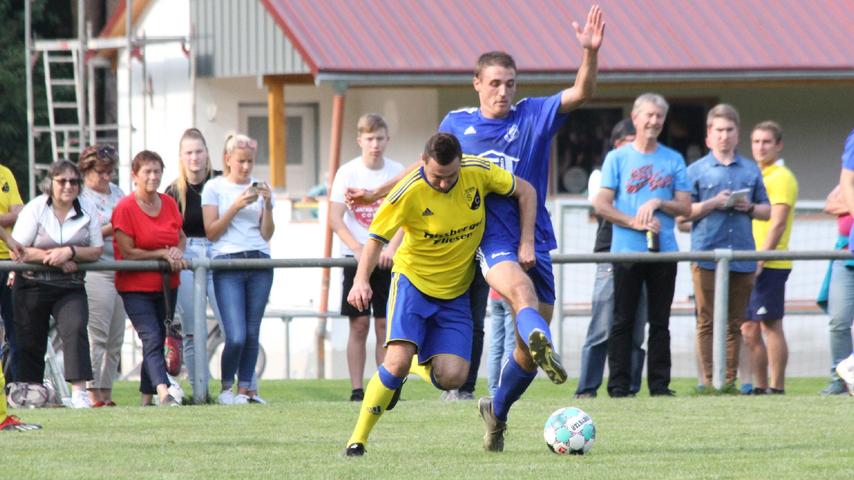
[[513, 382], [388, 380], [529, 319]]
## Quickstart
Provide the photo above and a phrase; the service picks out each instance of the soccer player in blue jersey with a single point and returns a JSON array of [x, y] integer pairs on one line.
[[440, 207]]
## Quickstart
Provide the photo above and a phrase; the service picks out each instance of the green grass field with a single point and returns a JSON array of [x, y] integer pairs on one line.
[[302, 432]]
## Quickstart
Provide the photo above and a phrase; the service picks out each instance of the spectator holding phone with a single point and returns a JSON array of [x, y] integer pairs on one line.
[[238, 215]]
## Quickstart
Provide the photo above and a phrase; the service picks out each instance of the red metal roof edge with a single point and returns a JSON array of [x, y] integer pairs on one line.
[[312, 65]]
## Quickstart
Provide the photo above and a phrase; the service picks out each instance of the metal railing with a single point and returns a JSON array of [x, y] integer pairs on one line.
[[721, 257]]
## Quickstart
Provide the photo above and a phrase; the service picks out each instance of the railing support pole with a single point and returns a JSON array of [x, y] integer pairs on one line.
[[721, 318], [200, 329]]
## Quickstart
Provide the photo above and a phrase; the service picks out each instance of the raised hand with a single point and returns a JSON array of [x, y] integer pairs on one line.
[[594, 30]]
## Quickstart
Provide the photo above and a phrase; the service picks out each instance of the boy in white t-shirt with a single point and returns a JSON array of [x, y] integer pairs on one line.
[[369, 170]]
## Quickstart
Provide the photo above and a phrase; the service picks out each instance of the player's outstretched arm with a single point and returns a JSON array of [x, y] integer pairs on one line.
[[527, 199], [590, 39], [365, 196], [360, 295]]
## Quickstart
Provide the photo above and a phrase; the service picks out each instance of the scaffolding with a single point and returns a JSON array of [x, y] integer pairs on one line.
[[69, 75]]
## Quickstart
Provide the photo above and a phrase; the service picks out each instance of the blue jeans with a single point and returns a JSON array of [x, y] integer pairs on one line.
[[503, 340], [242, 296], [840, 306], [595, 349], [146, 311], [197, 247]]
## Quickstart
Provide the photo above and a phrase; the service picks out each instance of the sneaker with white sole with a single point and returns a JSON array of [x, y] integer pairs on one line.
[[241, 399], [80, 399], [449, 396], [543, 354], [226, 397], [493, 439], [257, 399], [845, 370], [177, 392], [14, 424]]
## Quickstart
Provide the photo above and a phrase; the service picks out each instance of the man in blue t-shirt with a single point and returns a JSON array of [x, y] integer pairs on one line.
[[643, 188], [727, 194], [841, 301]]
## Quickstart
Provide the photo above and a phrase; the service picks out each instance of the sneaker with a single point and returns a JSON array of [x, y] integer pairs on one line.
[[584, 395], [226, 397], [663, 393], [845, 370], [449, 396], [357, 395], [746, 388], [464, 395], [354, 450], [13, 423], [395, 398], [836, 387], [493, 439], [170, 401], [241, 399], [759, 391], [776, 391], [257, 399], [80, 399], [99, 404], [176, 391], [109, 403], [545, 357]]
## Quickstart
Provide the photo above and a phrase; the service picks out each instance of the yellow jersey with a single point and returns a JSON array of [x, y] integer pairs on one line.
[[9, 197], [442, 230], [782, 188]]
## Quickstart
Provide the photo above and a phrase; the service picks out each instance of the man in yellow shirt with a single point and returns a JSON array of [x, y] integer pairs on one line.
[[767, 301], [10, 205], [440, 207]]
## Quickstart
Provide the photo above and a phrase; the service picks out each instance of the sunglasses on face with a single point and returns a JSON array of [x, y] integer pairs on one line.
[[74, 182]]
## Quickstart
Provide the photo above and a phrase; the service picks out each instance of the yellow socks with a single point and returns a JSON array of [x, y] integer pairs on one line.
[[377, 397], [422, 371]]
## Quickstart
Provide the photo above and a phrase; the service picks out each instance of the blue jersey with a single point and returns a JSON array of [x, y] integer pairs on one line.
[[848, 164], [637, 177], [520, 143]]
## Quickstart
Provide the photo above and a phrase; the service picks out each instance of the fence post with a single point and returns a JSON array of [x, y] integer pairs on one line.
[[200, 328], [721, 318]]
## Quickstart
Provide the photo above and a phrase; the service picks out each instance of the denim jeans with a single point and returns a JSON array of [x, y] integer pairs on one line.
[[197, 247], [503, 340], [242, 297], [594, 353], [840, 306], [146, 311]]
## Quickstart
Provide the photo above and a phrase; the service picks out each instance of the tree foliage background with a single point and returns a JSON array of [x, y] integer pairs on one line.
[[50, 19]]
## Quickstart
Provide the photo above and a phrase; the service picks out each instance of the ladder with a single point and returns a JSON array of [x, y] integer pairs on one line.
[[64, 102]]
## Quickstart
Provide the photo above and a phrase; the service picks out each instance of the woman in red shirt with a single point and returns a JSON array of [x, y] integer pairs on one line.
[[147, 226]]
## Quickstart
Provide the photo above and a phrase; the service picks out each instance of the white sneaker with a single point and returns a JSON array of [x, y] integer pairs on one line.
[[845, 370], [241, 399], [226, 397], [177, 392], [80, 399], [257, 399]]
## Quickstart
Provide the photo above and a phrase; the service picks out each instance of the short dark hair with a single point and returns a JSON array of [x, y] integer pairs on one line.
[[146, 156], [444, 148], [773, 127], [489, 59], [621, 130], [57, 168]]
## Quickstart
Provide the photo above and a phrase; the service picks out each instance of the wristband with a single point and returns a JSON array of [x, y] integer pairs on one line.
[[73, 252]]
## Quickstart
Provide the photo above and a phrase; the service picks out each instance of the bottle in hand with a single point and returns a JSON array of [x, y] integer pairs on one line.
[[653, 243]]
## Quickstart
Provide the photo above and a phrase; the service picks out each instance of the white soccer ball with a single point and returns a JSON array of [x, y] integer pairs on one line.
[[569, 431], [26, 395]]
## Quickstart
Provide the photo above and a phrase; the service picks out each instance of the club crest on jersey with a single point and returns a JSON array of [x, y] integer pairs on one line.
[[473, 198], [512, 133], [5, 187], [501, 159]]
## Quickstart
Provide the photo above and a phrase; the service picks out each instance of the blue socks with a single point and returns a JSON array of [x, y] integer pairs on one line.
[[529, 319], [512, 384]]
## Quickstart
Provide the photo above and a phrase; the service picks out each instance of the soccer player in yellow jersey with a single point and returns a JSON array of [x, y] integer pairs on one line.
[[11, 422], [440, 207]]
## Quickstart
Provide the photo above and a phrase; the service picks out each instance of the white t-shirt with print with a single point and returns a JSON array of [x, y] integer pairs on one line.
[[244, 232], [103, 204], [354, 174]]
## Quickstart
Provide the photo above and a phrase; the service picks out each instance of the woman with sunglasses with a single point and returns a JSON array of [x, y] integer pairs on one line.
[[147, 226], [106, 312], [238, 217], [56, 229]]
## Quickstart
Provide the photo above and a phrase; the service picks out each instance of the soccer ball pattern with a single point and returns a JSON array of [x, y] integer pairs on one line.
[[25, 395], [569, 431]]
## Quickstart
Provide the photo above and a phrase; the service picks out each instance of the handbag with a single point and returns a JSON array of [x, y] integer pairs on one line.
[[173, 344]]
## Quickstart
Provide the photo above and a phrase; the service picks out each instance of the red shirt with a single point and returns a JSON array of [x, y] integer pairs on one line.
[[148, 233]]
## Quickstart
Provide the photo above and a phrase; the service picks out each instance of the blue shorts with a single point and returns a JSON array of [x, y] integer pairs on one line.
[[434, 325], [494, 252], [768, 299]]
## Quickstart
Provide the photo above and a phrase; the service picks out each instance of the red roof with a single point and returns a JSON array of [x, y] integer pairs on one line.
[[446, 36]]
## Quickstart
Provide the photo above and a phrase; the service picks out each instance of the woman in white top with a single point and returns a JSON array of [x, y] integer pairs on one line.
[[238, 218], [106, 312], [56, 229]]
